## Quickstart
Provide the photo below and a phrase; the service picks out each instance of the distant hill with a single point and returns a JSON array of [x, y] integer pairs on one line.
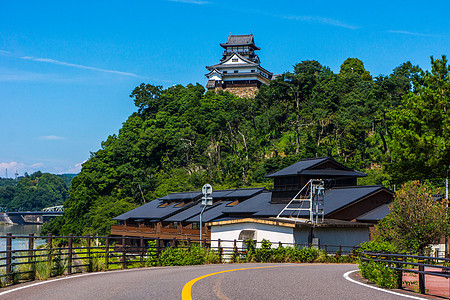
[[7, 182], [67, 178], [34, 192]]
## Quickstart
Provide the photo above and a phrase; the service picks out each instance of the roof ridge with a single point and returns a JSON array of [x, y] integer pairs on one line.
[[358, 186]]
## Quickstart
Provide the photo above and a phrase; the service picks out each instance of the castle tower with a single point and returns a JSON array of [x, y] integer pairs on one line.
[[239, 70]]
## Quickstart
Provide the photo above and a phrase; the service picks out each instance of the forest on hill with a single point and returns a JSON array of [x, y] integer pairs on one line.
[[33, 192], [394, 127]]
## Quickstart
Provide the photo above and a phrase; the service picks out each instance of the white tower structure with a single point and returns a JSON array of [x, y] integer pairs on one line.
[[239, 70]]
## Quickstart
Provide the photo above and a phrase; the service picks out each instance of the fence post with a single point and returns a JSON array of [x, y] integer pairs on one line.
[[399, 273], [107, 252], [142, 249], [30, 247], [280, 244], [421, 275], [124, 255], [88, 250], [157, 247], [340, 249], [9, 256], [220, 249], [174, 242], [235, 250], [50, 247], [204, 242], [325, 249], [189, 242], [69, 254]]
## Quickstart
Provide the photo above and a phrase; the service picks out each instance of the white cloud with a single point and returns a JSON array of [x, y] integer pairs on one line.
[[62, 63], [75, 169], [199, 2], [51, 137], [37, 165], [409, 33], [322, 20]]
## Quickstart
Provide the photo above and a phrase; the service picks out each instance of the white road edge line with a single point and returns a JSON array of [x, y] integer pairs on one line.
[[68, 277], [346, 276]]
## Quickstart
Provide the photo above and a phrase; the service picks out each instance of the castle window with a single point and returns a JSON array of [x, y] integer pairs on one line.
[[236, 71], [253, 71], [234, 60], [225, 72]]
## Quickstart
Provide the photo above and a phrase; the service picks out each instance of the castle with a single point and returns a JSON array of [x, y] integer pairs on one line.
[[239, 70]]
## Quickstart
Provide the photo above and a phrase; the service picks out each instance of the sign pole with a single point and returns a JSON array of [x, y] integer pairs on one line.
[[206, 201]]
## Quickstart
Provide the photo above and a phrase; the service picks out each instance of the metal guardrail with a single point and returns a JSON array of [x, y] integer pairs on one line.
[[409, 263], [81, 253]]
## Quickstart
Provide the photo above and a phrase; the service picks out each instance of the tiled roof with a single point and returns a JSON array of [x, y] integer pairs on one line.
[[306, 167], [333, 172], [337, 198], [240, 40], [210, 214], [297, 167], [376, 214], [151, 211], [182, 196]]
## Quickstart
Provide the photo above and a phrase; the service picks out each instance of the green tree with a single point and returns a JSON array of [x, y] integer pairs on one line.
[[421, 127], [415, 220], [354, 66]]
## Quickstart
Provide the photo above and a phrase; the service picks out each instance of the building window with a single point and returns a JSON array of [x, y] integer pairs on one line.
[[234, 60], [253, 71], [236, 71], [195, 225], [225, 72], [173, 225]]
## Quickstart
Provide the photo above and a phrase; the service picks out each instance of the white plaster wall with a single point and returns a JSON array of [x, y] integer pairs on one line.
[[230, 232], [230, 61], [215, 76]]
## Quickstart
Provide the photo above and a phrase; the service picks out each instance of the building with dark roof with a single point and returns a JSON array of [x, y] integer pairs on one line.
[[345, 205], [239, 70]]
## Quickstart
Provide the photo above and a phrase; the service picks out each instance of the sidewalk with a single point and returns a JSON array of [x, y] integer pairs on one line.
[[434, 285]]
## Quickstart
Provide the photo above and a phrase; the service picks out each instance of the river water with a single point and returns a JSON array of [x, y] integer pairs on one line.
[[19, 230]]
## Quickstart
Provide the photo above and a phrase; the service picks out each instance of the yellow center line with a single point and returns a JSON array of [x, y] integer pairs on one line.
[[186, 293]]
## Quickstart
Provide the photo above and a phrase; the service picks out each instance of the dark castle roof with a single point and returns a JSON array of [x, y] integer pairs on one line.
[[240, 40]]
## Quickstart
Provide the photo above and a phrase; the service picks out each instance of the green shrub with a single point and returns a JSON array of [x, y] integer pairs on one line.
[[377, 272], [265, 253], [181, 256]]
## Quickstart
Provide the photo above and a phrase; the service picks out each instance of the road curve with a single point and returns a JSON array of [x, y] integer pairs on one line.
[[273, 281]]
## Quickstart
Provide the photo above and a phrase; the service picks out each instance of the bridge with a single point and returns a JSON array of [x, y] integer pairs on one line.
[[35, 217]]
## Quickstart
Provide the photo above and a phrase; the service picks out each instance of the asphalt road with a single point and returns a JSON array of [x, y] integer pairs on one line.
[[277, 281]]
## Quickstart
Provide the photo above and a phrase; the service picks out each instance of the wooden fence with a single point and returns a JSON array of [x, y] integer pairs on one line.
[[74, 254]]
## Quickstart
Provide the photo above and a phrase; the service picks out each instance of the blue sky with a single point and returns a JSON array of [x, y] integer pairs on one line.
[[67, 67]]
